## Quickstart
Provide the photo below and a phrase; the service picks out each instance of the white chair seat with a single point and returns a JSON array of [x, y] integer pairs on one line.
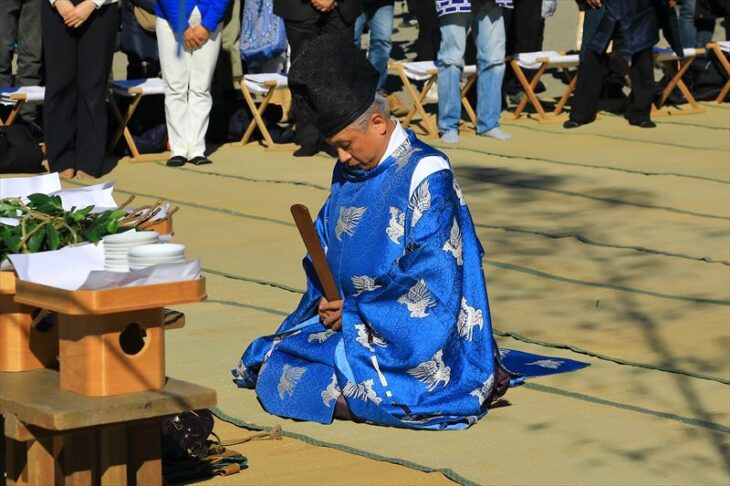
[[132, 87], [667, 54], [724, 46], [257, 83], [533, 60], [30, 94], [423, 70]]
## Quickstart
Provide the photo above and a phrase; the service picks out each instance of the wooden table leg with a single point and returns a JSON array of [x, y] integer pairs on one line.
[[144, 453], [78, 457], [16, 462], [42, 454], [113, 455]]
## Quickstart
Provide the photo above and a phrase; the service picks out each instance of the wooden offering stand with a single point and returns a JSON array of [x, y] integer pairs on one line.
[[111, 341], [97, 420], [24, 344]]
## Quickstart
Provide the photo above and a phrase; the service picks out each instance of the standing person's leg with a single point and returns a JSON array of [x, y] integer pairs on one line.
[[429, 34], [95, 52], [588, 88], [687, 27], [175, 65], [9, 12], [360, 23], [59, 105], [202, 63], [300, 34], [29, 50], [643, 89], [381, 30], [231, 69], [488, 28], [451, 65]]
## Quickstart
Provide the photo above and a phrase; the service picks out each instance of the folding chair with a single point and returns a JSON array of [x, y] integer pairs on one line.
[[541, 61], [674, 66], [428, 71], [135, 89], [263, 85], [17, 98], [720, 49]]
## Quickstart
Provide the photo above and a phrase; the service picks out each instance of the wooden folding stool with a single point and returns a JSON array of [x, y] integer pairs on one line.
[[542, 61], [677, 68], [428, 71], [264, 85], [720, 49], [17, 98], [135, 89]]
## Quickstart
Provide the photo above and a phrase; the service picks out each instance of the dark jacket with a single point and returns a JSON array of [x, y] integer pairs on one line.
[[302, 9], [640, 21]]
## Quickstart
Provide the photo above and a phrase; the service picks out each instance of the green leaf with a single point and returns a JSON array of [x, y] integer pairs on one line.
[[46, 204], [53, 238], [35, 241], [11, 237]]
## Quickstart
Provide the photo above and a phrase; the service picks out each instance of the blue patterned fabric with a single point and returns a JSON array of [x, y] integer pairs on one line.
[[263, 36], [416, 347], [528, 365]]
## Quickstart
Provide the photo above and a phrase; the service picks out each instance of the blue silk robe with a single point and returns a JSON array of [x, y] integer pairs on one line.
[[416, 347]]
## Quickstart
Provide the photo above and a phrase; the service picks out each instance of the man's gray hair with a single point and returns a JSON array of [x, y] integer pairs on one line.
[[379, 106]]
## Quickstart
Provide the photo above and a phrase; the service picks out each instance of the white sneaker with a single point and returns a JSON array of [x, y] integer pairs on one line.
[[497, 134], [451, 136]]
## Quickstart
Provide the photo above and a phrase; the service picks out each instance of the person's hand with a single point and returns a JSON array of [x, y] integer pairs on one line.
[[672, 3], [200, 34], [190, 40], [330, 313], [76, 17], [324, 5], [63, 7], [594, 3]]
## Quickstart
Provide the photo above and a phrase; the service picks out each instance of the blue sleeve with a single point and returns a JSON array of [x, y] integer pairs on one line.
[[214, 14]]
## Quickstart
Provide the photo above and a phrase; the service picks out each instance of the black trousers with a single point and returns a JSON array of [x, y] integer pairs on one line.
[[300, 34], [429, 34], [591, 72], [77, 70], [524, 30]]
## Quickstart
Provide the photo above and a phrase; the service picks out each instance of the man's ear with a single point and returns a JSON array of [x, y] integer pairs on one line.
[[379, 123]]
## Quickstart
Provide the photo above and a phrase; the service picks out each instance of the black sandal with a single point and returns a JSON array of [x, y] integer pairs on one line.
[[200, 160]]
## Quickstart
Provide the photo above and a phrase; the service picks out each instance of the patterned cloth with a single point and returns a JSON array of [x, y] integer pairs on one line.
[[416, 347], [446, 7]]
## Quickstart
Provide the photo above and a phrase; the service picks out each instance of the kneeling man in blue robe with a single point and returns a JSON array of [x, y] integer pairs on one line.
[[410, 344]]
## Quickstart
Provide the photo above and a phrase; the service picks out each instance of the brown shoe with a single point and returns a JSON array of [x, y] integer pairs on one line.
[[396, 105]]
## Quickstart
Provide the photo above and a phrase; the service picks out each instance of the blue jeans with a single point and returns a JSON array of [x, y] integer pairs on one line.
[[379, 17], [691, 32], [488, 27]]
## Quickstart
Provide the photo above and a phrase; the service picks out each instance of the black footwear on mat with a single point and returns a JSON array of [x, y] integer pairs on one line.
[[306, 151], [643, 124], [176, 161], [200, 160], [571, 124]]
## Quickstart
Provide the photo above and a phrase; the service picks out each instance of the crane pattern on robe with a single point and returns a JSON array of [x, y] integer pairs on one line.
[[416, 339]]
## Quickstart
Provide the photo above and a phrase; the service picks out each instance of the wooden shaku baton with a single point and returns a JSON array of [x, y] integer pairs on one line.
[[309, 235]]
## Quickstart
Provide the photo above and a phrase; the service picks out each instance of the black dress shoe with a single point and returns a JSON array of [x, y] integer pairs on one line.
[[571, 124], [643, 124], [176, 161], [306, 151], [200, 160]]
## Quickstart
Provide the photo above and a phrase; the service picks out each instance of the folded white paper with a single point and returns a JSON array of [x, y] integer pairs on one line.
[[99, 195], [23, 186], [156, 274], [67, 268]]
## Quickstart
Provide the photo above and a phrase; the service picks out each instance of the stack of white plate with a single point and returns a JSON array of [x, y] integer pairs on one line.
[[117, 246], [146, 255]]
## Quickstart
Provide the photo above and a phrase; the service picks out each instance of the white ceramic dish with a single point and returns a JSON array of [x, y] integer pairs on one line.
[[131, 236], [159, 250]]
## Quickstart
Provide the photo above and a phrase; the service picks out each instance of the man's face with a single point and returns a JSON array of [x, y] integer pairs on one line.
[[362, 149]]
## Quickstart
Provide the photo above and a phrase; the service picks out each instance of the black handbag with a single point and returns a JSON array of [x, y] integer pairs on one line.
[[19, 152]]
